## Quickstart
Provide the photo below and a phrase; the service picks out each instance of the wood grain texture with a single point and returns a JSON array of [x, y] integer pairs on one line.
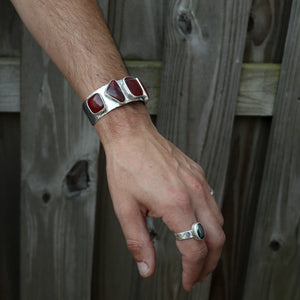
[[257, 91], [137, 27], [201, 78], [10, 166], [264, 44], [10, 30], [10, 35], [243, 182], [59, 183], [9, 85], [202, 65], [273, 271], [267, 30]]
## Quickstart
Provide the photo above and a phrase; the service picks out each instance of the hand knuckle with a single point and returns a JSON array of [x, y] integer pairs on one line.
[[195, 255], [219, 216], [135, 246], [220, 239], [198, 253], [181, 199], [198, 189], [203, 251]]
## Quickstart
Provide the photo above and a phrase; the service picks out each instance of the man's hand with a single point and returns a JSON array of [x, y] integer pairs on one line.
[[149, 176]]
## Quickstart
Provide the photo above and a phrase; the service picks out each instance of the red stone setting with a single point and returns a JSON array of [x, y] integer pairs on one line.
[[115, 91], [144, 89], [95, 103], [134, 86]]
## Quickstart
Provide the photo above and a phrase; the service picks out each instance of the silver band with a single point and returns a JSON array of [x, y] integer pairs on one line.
[[197, 232], [212, 192], [110, 102]]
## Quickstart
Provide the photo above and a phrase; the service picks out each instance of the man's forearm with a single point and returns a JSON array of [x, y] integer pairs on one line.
[[75, 36]]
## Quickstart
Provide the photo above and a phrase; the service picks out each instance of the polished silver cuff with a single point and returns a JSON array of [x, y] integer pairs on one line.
[[113, 95]]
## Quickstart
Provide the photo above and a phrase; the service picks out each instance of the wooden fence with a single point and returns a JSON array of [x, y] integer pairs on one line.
[[224, 79]]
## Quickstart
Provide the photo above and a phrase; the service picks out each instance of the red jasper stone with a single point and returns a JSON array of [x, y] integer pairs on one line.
[[144, 89], [95, 103], [114, 91], [134, 86]]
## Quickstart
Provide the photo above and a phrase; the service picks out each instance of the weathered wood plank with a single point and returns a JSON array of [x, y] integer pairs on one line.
[[204, 49], [247, 157], [265, 41], [257, 90], [137, 27], [10, 166], [10, 36], [273, 269], [59, 183], [9, 85], [10, 30], [200, 80], [267, 31]]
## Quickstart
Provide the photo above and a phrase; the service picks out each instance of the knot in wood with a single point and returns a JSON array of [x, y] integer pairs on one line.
[[250, 23], [46, 197], [77, 178], [274, 245], [185, 23]]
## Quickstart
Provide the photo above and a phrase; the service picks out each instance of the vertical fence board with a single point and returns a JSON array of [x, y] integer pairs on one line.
[[10, 34], [9, 202], [10, 30], [59, 177], [247, 157], [137, 27], [267, 30], [202, 64], [273, 270], [265, 42]]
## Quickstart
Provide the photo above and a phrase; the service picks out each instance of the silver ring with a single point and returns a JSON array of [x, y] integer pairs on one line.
[[212, 192], [197, 232]]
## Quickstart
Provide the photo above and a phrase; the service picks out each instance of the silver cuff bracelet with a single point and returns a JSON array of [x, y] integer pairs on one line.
[[113, 95]]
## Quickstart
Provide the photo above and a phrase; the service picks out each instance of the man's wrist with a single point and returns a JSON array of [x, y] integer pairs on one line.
[[123, 123]]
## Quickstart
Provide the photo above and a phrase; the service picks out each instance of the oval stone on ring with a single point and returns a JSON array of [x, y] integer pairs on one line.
[[198, 231]]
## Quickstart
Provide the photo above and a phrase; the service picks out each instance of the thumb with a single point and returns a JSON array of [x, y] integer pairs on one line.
[[137, 237]]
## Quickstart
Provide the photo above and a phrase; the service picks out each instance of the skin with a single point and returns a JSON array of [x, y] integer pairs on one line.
[[154, 177]]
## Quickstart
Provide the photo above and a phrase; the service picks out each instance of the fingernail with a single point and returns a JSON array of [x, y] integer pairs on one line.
[[143, 268]]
